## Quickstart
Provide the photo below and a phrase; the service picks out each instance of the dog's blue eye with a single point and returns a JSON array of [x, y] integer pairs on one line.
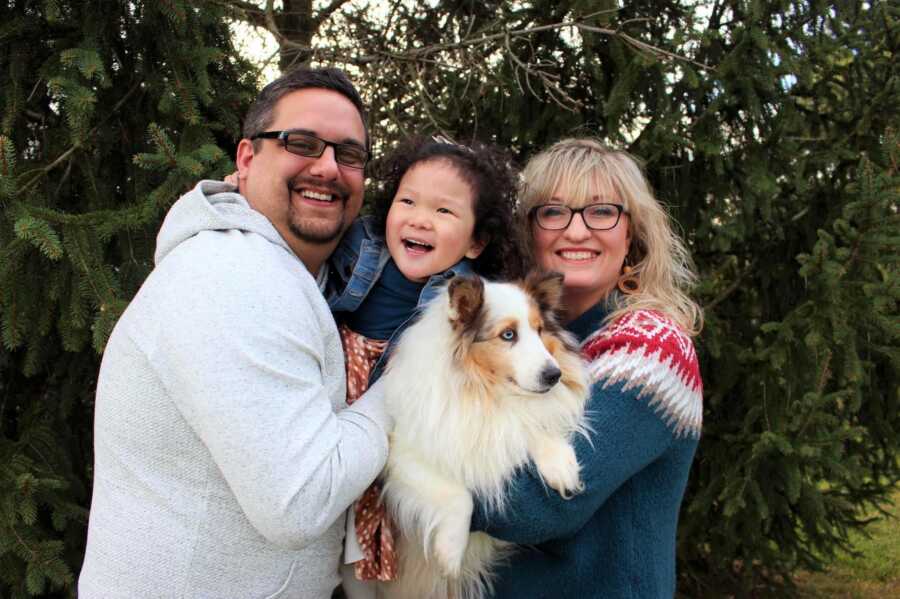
[[508, 335]]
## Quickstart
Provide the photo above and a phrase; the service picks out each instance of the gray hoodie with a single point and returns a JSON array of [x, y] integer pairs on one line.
[[224, 453]]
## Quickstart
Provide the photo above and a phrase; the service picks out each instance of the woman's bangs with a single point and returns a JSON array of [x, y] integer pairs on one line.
[[540, 185], [590, 183], [578, 176]]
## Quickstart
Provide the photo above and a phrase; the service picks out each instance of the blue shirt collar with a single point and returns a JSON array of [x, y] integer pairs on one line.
[[463, 267]]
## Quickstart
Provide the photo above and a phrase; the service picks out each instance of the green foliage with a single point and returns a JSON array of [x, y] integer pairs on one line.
[[41, 234], [87, 91], [28, 556], [770, 130], [7, 168], [870, 571]]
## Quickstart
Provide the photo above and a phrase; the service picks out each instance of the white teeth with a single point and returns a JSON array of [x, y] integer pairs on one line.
[[577, 255], [417, 242], [323, 197]]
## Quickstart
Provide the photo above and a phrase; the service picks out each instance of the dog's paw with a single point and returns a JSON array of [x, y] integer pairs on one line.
[[449, 550], [555, 460], [451, 538]]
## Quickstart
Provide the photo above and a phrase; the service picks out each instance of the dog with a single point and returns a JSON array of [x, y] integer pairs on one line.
[[483, 382]]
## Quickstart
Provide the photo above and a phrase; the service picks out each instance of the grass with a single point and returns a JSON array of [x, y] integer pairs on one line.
[[875, 574]]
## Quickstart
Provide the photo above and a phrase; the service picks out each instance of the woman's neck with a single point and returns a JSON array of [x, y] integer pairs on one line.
[[579, 301]]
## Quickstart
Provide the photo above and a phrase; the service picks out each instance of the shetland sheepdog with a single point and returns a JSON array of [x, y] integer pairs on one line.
[[485, 381]]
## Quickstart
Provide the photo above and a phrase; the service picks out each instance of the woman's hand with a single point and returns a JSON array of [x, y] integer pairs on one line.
[[232, 179]]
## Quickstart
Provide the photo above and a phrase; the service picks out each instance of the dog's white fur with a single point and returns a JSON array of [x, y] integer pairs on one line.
[[464, 424]]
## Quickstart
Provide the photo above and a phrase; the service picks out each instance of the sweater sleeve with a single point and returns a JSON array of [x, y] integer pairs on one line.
[[251, 357], [645, 393]]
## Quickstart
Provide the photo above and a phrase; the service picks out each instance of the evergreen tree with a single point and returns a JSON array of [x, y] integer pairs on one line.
[[108, 112], [770, 129]]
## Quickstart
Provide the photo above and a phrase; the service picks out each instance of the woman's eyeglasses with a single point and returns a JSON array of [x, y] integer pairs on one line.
[[597, 217], [304, 144]]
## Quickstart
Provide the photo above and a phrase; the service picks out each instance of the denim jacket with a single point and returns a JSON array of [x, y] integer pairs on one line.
[[356, 265]]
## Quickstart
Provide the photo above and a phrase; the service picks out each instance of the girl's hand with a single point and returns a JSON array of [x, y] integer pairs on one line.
[[232, 179]]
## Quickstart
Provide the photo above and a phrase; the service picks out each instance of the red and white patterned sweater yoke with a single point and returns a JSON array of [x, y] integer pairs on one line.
[[647, 351]]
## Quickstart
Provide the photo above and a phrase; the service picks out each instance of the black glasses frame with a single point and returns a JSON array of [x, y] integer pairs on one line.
[[620, 210], [322, 144]]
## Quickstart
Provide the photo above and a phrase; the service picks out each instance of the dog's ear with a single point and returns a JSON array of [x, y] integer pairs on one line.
[[466, 299], [546, 289]]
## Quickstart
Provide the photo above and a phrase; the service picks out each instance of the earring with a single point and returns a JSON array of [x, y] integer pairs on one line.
[[629, 283]]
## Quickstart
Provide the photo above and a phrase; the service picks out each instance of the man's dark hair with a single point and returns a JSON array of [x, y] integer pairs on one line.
[[259, 117], [489, 171]]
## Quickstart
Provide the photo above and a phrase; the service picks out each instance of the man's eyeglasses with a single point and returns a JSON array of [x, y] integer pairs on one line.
[[304, 144], [598, 217]]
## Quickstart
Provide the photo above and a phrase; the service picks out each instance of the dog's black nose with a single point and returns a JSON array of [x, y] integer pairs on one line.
[[550, 376]]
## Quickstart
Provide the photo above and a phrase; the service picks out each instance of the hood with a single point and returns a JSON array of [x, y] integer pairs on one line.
[[211, 206]]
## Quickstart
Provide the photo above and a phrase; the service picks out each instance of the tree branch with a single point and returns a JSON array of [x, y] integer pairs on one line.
[[422, 53], [90, 135], [245, 11], [731, 288], [324, 14], [643, 46]]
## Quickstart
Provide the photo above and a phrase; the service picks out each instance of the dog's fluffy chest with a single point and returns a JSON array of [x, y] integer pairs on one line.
[[479, 387], [477, 446]]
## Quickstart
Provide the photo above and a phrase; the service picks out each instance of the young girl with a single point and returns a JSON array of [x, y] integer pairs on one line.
[[444, 210]]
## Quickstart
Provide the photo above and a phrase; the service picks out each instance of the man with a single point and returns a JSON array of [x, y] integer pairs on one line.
[[225, 454]]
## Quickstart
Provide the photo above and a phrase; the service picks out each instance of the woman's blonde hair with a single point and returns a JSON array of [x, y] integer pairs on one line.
[[579, 168]]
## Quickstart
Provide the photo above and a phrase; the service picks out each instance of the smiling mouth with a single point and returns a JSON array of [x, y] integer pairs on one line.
[[577, 255], [416, 246], [315, 195]]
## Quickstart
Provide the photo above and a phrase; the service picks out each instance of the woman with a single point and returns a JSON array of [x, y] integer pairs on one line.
[[590, 214]]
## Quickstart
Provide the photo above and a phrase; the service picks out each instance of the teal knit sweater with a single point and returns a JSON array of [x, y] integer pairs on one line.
[[617, 537]]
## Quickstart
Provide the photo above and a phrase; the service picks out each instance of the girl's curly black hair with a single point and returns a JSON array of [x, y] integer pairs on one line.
[[489, 172]]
